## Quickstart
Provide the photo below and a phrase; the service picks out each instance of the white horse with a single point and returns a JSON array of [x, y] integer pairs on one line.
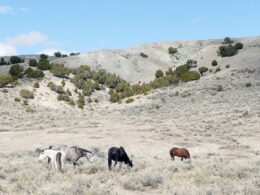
[[57, 158]]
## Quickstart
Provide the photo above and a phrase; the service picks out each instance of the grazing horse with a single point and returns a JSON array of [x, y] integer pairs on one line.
[[73, 154], [118, 154], [57, 158], [180, 152]]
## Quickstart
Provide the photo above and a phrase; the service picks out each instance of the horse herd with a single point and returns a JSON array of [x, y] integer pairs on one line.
[[58, 155]]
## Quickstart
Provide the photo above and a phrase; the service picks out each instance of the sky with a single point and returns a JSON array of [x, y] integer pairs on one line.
[[31, 26]]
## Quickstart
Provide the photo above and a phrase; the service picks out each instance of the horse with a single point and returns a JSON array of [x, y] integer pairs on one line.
[[180, 152], [73, 154], [57, 158], [118, 155]]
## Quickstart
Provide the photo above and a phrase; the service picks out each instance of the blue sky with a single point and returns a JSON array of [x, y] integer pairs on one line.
[[32, 26]]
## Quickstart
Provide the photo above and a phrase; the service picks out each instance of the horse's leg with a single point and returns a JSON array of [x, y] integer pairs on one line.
[[181, 158], [172, 157], [115, 163]]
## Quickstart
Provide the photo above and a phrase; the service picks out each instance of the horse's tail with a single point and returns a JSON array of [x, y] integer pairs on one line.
[[58, 161], [109, 160]]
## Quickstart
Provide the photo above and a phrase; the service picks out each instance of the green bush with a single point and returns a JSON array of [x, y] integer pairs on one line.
[[214, 63], [217, 69], [130, 100], [112, 80], [141, 88], [30, 110], [159, 73], [238, 46], [63, 83], [248, 85], [64, 98], [219, 88], [33, 62], [191, 62], [44, 64], [226, 51], [180, 70], [57, 54], [72, 102], [3, 62], [227, 40], [16, 99], [60, 71], [114, 97], [172, 50], [56, 88], [203, 69], [88, 88], [5, 80], [68, 92], [16, 60], [16, 71], [81, 101], [190, 76], [43, 56], [143, 55], [36, 85], [26, 94], [160, 82], [100, 76], [122, 86], [31, 73]]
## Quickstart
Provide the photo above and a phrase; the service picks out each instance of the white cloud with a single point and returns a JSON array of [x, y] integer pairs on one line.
[[51, 51], [7, 50], [6, 9], [29, 39]]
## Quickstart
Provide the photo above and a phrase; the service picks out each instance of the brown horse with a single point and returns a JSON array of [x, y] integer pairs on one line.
[[180, 152]]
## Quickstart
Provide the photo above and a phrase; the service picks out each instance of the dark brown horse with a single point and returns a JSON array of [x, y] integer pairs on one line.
[[180, 152]]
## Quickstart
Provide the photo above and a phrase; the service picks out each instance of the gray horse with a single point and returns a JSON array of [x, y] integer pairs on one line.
[[72, 154]]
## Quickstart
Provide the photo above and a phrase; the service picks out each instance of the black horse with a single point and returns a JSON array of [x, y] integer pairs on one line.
[[118, 155]]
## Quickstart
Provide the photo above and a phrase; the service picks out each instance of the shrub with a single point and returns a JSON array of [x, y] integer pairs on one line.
[[72, 102], [57, 54], [74, 54], [36, 85], [219, 88], [158, 74], [238, 46], [180, 70], [16, 71], [68, 92], [112, 80], [30, 110], [81, 101], [26, 94], [172, 50], [63, 83], [226, 51], [248, 85], [141, 88], [59, 70], [31, 73], [217, 69], [191, 62], [100, 76], [88, 88], [16, 60], [64, 55], [33, 62], [190, 76], [203, 70], [17, 99], [43, 56], [130, 100], [5, 80], [143, 55], [57, 89], [64, 98], [4, 91], [122, 86], [3, 62], [227, 40], [160, 82], [44, 64], [214, 63], [89, 100], [114, 97]]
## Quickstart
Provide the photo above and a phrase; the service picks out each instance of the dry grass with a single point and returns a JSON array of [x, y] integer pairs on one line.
[[20, 173]]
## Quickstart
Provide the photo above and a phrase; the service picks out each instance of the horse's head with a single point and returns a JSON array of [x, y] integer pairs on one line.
[[130, 163], [42, 155]]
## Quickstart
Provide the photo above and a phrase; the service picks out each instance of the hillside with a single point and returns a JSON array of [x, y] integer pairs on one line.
[[216, 117]]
